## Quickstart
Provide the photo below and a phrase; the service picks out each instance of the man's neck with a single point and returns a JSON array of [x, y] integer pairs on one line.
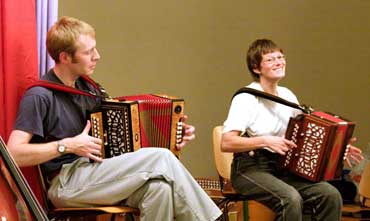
[[65, 76]]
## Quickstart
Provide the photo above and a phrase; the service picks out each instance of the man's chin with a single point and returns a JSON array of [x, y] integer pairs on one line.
[[90, 72]]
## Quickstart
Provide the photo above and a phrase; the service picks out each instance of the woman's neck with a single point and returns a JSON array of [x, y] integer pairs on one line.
[[269, 87]]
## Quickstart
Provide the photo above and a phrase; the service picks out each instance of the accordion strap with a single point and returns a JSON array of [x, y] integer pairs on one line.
[[274, 98], [68, 89]]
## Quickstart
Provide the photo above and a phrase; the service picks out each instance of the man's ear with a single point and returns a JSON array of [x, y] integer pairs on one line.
[[64, 57]]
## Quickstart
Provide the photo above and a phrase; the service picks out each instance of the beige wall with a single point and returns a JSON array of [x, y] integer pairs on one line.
[[195, 49]]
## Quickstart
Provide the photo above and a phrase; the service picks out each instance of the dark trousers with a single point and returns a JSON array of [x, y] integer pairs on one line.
[[289, 196]]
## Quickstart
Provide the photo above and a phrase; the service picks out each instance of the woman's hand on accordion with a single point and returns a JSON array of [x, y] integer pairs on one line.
[[279, 145], [188, 133], [85, 145], [354, 154]]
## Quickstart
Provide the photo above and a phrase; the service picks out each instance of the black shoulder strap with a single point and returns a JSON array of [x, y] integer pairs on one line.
[[274, 98]]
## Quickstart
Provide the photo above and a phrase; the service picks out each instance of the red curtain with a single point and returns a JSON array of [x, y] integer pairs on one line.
[[18, 56], [18, 65]]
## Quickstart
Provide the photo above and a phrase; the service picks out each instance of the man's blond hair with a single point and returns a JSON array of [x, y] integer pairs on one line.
[[64, 34]]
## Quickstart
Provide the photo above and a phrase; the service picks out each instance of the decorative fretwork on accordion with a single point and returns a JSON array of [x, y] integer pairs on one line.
[[321, 140], [132, 122]]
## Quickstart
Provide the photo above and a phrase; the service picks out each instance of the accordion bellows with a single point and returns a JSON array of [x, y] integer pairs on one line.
[[133, 122], [321, 140]]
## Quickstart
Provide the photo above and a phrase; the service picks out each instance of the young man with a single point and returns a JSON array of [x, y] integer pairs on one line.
[[254, 165], [52, 129]]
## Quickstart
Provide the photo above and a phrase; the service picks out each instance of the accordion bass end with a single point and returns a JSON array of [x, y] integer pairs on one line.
[[321, 140], [132, 122]]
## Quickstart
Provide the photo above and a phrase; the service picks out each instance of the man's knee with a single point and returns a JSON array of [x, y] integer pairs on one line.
[[164, 154], [158, 151], [160, 188], [153, 191]]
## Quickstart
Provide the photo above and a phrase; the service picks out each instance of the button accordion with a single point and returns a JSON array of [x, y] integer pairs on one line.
[[321, 140], [131, 122]]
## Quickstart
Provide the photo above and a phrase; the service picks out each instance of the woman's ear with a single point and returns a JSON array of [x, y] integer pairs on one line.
[[257, 70]]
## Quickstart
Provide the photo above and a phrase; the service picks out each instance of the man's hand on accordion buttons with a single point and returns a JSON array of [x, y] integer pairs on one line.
[[353, 154], [188, 133], [85, 145]]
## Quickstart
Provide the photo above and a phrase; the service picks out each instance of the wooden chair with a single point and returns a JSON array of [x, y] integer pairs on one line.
[[101, 213], [256, 211], [360, 211]]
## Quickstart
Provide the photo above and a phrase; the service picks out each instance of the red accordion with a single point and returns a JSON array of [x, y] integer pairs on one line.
[[132, 122], [129, 122], [321, 140]]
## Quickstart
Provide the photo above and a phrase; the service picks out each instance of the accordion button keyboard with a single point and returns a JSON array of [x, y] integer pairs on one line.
[[179, 132], [95, 125]]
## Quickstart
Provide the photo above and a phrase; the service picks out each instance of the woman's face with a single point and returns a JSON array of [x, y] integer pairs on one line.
[[272, 67]]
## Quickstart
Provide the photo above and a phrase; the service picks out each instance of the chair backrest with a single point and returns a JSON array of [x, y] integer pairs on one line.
[[44, 188], [223, 160]]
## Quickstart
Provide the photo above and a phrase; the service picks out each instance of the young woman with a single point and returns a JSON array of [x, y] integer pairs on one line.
[[264, 122]]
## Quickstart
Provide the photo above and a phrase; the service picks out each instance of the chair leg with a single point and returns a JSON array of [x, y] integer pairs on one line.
[[226, 210], [224, 206]]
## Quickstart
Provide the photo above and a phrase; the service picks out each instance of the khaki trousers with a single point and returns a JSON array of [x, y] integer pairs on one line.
[[151, 179]]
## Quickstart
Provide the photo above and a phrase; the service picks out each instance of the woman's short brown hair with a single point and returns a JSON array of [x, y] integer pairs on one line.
[[254, 54]]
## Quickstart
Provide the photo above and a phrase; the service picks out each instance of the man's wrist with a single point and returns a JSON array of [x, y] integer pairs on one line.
[[61, 147]]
